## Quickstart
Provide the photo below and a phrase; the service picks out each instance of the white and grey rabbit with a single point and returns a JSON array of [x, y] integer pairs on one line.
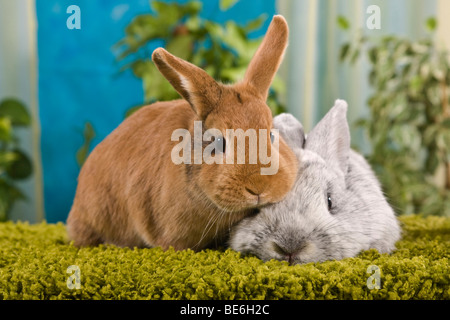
[[336, 208]]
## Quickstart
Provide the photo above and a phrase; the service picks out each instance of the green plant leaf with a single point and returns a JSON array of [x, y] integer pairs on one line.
[[278, 85], [181, 46], [431, 23], [6, 158], [432, 162], [5, 201], [83, 151], [361, 123], [193, 8], [89, 132], [233, 74], [345, 49], [355, 56], [214, 29], [8, 195], [193, 24], [132, 110], [255, 24], [5, 129], [373, 55], [21, 167], [82, 155], [227, 4], [142, 67], [446, 123], [416, 83], [343, 23], [15, 111], [168, 13]]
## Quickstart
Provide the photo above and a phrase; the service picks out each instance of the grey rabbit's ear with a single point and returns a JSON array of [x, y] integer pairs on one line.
[[330, 138], [291, 130]]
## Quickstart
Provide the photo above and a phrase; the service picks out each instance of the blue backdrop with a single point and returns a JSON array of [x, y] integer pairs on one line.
[[79, 80]]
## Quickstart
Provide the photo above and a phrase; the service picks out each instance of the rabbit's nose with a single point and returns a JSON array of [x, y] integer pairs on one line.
[[253, 191], [288, 252]]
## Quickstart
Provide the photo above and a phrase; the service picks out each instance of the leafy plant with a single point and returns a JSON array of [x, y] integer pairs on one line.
[[409, 124], [224, 51], [83, 151], [14, 163]]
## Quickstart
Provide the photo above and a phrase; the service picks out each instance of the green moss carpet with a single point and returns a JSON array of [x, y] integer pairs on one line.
[[34, 261]]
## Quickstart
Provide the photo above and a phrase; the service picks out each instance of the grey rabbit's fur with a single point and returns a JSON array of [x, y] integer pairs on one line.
[[301, 228]]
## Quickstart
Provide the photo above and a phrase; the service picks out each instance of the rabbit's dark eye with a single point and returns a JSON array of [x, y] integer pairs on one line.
[[330, 203], [219, 145], [272, 137]]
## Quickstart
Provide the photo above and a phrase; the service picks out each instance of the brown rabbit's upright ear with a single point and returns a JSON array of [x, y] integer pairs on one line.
[[268, 57], [192, 83]]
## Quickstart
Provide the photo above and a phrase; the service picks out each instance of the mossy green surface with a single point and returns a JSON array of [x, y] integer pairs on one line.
[[34, 261]]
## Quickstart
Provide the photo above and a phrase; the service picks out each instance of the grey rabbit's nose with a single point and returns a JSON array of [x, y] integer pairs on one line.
[[288, 252]]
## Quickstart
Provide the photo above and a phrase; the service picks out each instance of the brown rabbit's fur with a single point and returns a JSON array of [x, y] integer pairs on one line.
[[130, 193]]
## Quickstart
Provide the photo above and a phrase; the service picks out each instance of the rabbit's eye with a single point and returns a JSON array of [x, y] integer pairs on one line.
[[272, 137], [219, 145], [330, 203]]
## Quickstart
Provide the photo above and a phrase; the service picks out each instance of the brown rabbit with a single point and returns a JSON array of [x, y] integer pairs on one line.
[[131, 193]]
